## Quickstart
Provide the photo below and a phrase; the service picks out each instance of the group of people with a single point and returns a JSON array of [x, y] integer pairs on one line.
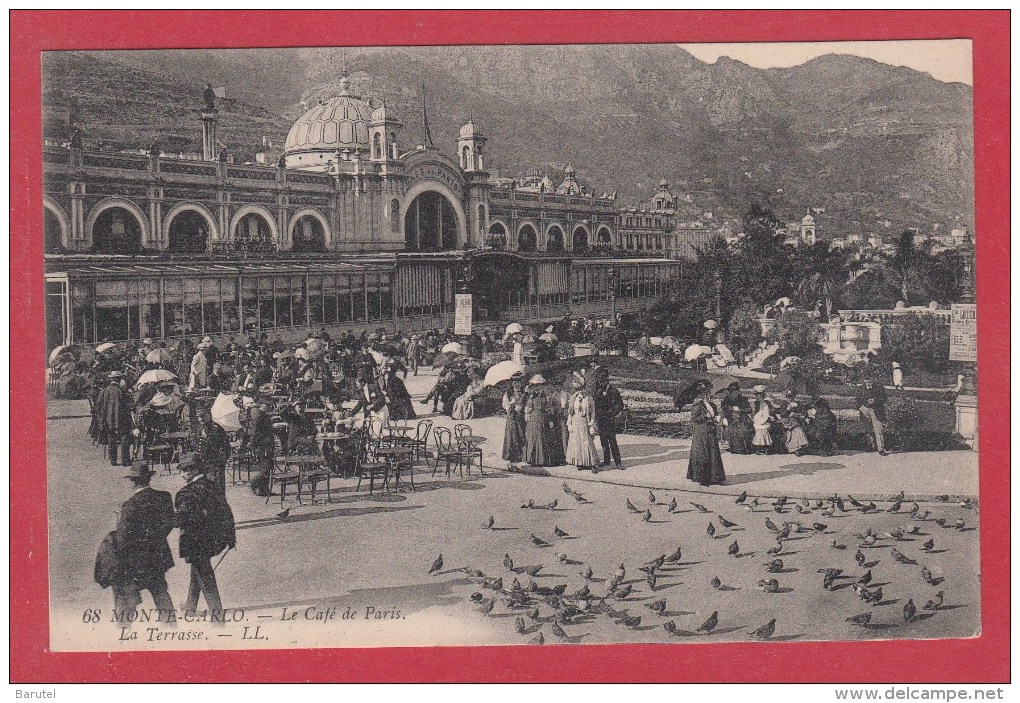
[[776, 425], [553, 426]]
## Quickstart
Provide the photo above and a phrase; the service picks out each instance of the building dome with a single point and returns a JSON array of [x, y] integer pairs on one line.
[[469, 130], [340, 123], [807, 219]]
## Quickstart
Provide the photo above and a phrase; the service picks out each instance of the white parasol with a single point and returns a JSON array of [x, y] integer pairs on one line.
[[225, 412], [696, 351], [105, 347], [377, 356], [503, 371], [300, 353], [711, 324], [655, 341], [159, 356], [155, 376], [453, 348], [549, 337], [669, 342], [514, 328], [62, 349]]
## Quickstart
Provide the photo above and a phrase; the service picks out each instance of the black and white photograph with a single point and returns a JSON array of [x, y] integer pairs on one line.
[[510, 345]]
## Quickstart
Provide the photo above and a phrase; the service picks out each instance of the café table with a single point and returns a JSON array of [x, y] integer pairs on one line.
[[469, 443], [304, 471], [397, 457]]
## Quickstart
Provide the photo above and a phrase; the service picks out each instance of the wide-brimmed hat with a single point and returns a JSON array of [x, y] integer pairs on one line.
[[139, 469], [147, 341], [537, 379], [577, 380], [208, 339], [759, 389], [204, 345], [116, 374], [895, 364]]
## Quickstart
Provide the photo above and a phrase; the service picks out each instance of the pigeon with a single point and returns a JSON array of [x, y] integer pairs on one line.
[[774, 566], [802, 510], [805, 502], [631, 621], [865, 579], [538, 640], [651, 580], [901, 557], [551, 506], [862, 619], [716, 583], [533, 570], [898, 498], [726, 523], [922, 516], [755, 503], [838, 502], [860, 558], [941, 522], [672, 505], [651, 497], [489, 523], [943, 499], [741, 498], [283, 514], [519, 625], [928, 546], [631, 507], [909, 610], [477, 597], [647, 516], [516, 586], [473, 573], [657, 561], [854, 502], [771, 525], [778, 549], [833, 572], [538, 542], [580, 498], [670, 627], [559, 533], [820, 526], [562, 558], [896, 534], [658, 606], [487, 607], [733, 549], [710, 624], [588, 573], [529, 504], [869, 540], [914, 508], [935, 603], [624, 592], [829, 512], [558, 631], [495, 584], [534, 614], [929, 579], [765, 631], [559, 589], [895, 507], [674, 557], [700, 508], [769, 585], [710, 529], [836, 545], [869, 508], [785, 532], [959, 524], [570, 491], [621, 573], [583, 592], [436, 565]]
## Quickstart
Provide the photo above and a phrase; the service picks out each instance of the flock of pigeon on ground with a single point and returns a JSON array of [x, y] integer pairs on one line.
[[629, 603]]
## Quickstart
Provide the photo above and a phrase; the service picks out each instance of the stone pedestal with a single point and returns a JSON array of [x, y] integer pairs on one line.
[[967, 419]]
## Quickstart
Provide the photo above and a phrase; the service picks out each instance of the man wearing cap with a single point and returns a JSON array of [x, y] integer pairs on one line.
[[871, 402], [143, 554], [207, 528], [113, 419]]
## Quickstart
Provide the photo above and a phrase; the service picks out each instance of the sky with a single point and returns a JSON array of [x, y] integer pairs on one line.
[[948, 60]]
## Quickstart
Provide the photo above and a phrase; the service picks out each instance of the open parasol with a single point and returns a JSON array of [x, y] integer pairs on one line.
[[514, 328], [225, 412], [711, 324], [159, 356], [722, 383], [696, 351], [300, 353], [155, 376], [105, 347], [452, 348], [669, 342], [789, 361], [549, 337], [503, 371], [60, 351], [442, 360]]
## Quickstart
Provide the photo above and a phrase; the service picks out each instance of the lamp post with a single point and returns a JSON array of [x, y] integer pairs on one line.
[[612, 294]]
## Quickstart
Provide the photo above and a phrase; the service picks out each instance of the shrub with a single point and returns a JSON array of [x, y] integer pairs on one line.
[[606, 339], [796, 333]]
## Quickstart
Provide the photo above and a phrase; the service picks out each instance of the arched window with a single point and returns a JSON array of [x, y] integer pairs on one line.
[[116, 231], [496, 238], [52, 233], [394, 215], [189, 233], [527, 239], [309, 235], [377, 146], [554, 239], [465, 157], [580, 240], [430, 224], [253, 234]]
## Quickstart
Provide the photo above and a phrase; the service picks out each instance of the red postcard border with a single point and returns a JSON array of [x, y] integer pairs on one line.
[[981, 659]]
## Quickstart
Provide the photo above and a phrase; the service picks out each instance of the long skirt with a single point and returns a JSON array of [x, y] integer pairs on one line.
[[463, 408], [796, 439], [535, 439], [401, 408], [513, 438], [556, 439], [762, 438], [705, 465], [740, 433], [580, 447]]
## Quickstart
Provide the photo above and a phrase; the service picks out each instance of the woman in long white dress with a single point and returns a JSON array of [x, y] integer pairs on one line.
[[464, 405], [581, 427]]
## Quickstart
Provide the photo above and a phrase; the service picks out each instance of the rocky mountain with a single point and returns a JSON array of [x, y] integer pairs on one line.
[[875, 145]]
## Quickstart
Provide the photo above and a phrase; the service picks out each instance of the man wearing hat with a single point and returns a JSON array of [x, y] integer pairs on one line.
[[871, 402], [198, 376], [113, 419], [143, 554], [207, 528], [609, 410]]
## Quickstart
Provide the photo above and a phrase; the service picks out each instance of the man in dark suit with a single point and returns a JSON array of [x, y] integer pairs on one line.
[[207, 528], [113, 419], [871, 402], [143, 554], [370, 396], [608, 412]]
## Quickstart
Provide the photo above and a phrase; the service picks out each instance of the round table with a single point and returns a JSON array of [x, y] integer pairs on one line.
[[470, 443], [396, 457], [304, 464]]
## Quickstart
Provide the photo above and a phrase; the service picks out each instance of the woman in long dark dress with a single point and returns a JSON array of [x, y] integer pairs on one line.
[[401, 407], [513, 436], [557, 405], [705, 465], [536, 423]]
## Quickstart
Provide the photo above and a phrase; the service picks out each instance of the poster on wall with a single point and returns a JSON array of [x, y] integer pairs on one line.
[[462, 316], [963, 333]]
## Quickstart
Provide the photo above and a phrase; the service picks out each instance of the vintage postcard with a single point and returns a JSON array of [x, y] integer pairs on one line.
[[363, 346]]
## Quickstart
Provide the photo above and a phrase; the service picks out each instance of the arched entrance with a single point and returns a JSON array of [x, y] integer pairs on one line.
[[605, 237], [554, 239], [580, 240], [52, 232], [116, 230], [430, 223], [308, 234], [253, 233], [496, 238], [498, 281], [188, 233], [527, 238]]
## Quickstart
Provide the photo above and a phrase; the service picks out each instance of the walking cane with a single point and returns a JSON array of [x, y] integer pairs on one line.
[[222, 558]]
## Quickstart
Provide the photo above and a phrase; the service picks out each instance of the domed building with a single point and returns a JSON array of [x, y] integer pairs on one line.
[[340, 125]]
